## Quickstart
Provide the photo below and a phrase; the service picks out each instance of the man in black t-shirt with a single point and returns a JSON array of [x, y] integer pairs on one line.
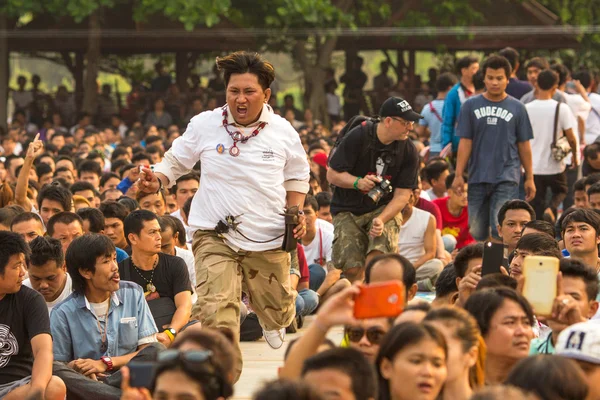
[[25, 341], [372, 156], [164, 278]]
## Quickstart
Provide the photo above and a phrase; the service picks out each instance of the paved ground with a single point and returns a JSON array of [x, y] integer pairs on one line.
[[261, 362]]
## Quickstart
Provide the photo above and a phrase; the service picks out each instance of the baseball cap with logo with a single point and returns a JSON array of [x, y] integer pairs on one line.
[[580, 342], [397, 107]]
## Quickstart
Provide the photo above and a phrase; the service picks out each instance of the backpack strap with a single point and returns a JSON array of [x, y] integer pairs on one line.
[[555, 135], [434, 111]]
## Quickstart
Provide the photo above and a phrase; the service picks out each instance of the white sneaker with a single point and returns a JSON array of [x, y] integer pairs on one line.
[[274, 338]]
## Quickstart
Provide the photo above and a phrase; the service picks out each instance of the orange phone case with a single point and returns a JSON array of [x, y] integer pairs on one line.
[[379, 300]]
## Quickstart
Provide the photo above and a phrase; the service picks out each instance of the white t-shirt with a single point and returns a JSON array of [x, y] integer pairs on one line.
[[541, 116], [65, 293], [319, 247], [592, 124], [326, 226], [251, 186], [188, 257], [580, 108], [411, 239], [432, 195], [333, 104]]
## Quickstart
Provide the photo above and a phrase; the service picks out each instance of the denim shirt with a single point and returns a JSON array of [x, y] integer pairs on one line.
[[75, 329]]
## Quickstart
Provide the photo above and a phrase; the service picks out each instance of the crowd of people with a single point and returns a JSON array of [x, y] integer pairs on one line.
[[131, 248]]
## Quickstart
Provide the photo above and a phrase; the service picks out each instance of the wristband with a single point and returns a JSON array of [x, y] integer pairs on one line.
[[170, 333], [358, 178]]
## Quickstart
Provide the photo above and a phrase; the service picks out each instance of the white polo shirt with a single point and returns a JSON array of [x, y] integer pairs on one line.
[[251, 187]]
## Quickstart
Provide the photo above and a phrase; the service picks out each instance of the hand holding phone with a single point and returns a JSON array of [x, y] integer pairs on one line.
[[565, 309], [540, 274], [379, 300], [493, 257]]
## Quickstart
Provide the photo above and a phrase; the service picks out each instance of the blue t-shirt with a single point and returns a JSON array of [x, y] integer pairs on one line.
[[495, 128], [433, 120], [517, 88]]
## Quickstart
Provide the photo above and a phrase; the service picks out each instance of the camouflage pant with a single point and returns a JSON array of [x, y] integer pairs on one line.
[[220, 272], [352, 242]]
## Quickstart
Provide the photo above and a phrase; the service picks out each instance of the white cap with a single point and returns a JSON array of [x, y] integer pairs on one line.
[[580, 342]]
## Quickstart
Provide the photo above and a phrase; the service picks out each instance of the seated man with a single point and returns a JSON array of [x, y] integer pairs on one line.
[[455, 214], [165, 278], [65, 226], [26, 363], [417, 242], [446, 291], [512, 217], [580, 197], [93, 222], [105, 322], [114, 215], [317, 244], [533, 244], [574, 303], [580, 231], [467, 265], [28, 225], [47, 271], [153, 202], [52, 200]]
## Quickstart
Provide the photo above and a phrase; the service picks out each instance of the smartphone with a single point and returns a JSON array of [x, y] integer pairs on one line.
[[141, 374], [493, 257], [540, 275], [378, 300]]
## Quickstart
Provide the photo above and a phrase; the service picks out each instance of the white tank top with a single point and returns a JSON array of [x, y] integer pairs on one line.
[[412, 235]]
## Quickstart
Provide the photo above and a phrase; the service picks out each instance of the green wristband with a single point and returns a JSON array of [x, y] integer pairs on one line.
[[356, 182]]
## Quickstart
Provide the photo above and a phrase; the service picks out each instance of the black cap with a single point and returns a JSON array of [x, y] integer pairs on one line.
[[397, 107]]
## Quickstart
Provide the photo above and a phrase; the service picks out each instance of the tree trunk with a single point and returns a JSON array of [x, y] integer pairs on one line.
[[78, 75], [4, 73], [318, 100], [90, 92]]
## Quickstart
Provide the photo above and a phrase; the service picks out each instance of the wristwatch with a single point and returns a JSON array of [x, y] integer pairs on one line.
[[171, 333], [108, 362]]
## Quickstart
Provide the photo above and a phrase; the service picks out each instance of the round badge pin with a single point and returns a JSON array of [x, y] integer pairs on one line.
[[220, 148]]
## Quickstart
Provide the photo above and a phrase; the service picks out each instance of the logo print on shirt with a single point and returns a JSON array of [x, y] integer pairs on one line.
[[494, 111], [268, 155], [8, 345]]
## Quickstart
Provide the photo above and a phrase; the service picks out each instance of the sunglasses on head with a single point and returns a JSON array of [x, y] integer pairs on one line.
[[356, 333]]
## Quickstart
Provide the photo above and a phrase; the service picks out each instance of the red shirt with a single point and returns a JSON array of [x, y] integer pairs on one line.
[[455, 226], [432, 209]]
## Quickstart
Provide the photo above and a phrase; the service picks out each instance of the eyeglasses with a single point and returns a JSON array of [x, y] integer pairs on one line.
[[356, 333], [403, 121]]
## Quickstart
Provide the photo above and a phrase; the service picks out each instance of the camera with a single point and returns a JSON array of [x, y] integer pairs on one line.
[[381, 189]]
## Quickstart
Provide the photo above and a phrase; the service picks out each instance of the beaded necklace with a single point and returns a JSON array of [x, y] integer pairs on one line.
[[237, 136]]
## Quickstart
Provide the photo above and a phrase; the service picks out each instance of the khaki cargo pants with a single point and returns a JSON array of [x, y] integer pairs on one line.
[[220, 272], [352, 242]]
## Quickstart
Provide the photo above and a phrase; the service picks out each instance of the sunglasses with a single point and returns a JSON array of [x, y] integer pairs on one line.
[[356, 333]]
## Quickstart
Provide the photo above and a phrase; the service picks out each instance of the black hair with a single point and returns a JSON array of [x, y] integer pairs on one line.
[[242, 62], [579, 185], [465, 62], [514, 205], [113, 209], [584, 77], [409, 274], [192, 176], [83, 253], [562, 71], [9, 213], [107, 192], [129, 203], [484, 304], [94, 217], [134, 222], [65, 217], [187, 207], [541, 226], [154, 149], [549, 377], [351, 363], [466, 254], [90, 166], [594, 189], [584, 215], [497, 62], [577, 269], [445, 82], [590, 152], [291, 344], [540, 244], [496, 280], [312, 202], [24, 217], [44, 249], [511, 55], [419, 306], [434, 169], [106, 176], [151, 139], [56, 193], [478, 81], [537, 62], [182, 238], [42, 169], [284, 389], [324, 199], [116, 167], [140, 157], [11, 244], [450, 180], [592, 178], [398, 338], [118, 152], [81, 186], [446, 282], [166, 222], [547, 79]]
